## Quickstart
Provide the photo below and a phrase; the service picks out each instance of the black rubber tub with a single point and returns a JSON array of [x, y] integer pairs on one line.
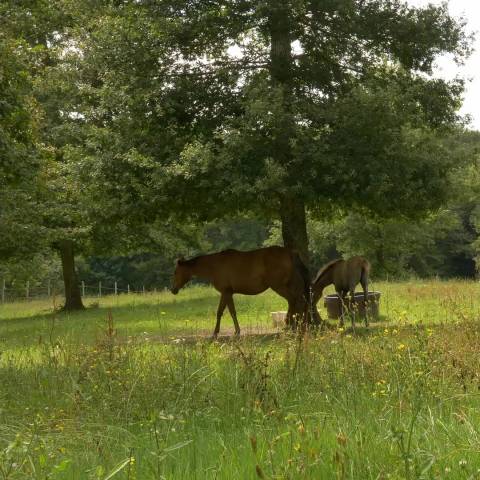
[[332, 303]]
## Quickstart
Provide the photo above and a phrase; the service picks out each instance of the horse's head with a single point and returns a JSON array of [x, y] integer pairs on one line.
[[181, 276]]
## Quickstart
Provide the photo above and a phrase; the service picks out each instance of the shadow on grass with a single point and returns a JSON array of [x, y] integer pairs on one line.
[[130, 319], [165, 317], [262, 334], [186, 304]]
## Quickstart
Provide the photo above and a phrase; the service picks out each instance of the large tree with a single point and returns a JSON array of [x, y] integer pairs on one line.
[[19, 149], [39, 30], [202, 109]]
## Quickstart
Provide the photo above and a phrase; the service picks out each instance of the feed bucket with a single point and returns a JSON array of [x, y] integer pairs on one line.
[[278, 319], [332, 303]]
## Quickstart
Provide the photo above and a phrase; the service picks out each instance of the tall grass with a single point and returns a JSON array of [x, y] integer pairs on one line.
[[123, 391]]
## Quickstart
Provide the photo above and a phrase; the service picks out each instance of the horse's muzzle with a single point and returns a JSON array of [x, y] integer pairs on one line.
[[174, 290]]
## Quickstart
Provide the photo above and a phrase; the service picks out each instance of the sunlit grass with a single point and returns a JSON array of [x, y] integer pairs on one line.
[[193, 310], [116, 389]]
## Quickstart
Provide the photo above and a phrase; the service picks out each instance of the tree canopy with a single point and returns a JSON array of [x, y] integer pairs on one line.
[[125, 123], [19, 153], [204, 109]]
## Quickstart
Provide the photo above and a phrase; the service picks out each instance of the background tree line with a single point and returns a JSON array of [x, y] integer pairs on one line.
[[445, 243], [133, 131]]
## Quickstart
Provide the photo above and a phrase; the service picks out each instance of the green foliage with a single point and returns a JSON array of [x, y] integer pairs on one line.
[[468, 188], [37, 269], [17, 113], [153, 267], [177, 126], [19, 152], [38, 23], [383, 157], [146, 121], [440, 245], [443, 243], [398, 248]]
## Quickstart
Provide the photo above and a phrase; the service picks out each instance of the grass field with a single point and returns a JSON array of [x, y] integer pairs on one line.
[[132, 389]]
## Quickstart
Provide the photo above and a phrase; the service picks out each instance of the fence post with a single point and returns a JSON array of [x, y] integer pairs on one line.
[[27, 290], [99, 289], [143, 289], [48, 288], [83, 288], [3, 290], [116, 288], [128, 288]]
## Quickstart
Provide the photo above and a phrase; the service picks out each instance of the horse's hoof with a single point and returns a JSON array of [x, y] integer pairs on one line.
[[237, 333]]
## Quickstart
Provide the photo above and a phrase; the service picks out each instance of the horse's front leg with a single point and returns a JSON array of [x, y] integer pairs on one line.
[[315, 296], [233, 313], [221, 307], [341, 299], [294, 314]]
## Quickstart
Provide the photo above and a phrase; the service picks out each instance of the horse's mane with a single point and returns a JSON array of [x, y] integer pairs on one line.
[[192, 261], [326, 267]]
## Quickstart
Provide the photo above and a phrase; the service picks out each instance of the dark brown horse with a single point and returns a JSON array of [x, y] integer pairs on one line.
[[249, 273], [345, 275]]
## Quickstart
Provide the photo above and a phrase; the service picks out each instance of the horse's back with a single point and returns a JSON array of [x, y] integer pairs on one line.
[[358, 263], [266, 256], [357, 267], [253, 271], [348, 273]]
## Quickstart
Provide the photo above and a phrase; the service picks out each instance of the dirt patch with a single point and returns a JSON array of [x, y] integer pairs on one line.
[[226, 335]]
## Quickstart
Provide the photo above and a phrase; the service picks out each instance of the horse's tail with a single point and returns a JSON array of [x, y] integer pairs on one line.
[[365, 273], [365, 268]]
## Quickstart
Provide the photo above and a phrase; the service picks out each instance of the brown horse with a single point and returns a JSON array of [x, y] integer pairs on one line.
[[345, 275], [249, 273]]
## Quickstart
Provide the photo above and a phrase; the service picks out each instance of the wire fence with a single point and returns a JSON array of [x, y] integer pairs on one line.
[[17, 292]]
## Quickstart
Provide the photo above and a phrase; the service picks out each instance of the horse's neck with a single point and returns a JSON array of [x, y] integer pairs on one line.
[[201, 268], [325, 280]]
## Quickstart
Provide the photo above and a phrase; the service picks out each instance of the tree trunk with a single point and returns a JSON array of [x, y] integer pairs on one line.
[[294, 226], [73, 297], [281, 61], [292, 207]]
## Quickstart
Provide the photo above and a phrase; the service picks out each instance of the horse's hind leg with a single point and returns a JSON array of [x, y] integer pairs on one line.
[[220, 310], [364, 282], [233, 313], [292, 313], [316, 318], [290, 320]]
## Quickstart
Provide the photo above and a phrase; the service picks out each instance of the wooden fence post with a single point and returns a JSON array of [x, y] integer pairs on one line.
[[83, 288], [27, 290], [128, 288], [99, 289], [116, 291], [3, 291], [143, 289]]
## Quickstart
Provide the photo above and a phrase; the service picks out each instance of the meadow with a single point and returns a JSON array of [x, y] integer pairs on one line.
[[133, 388]]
